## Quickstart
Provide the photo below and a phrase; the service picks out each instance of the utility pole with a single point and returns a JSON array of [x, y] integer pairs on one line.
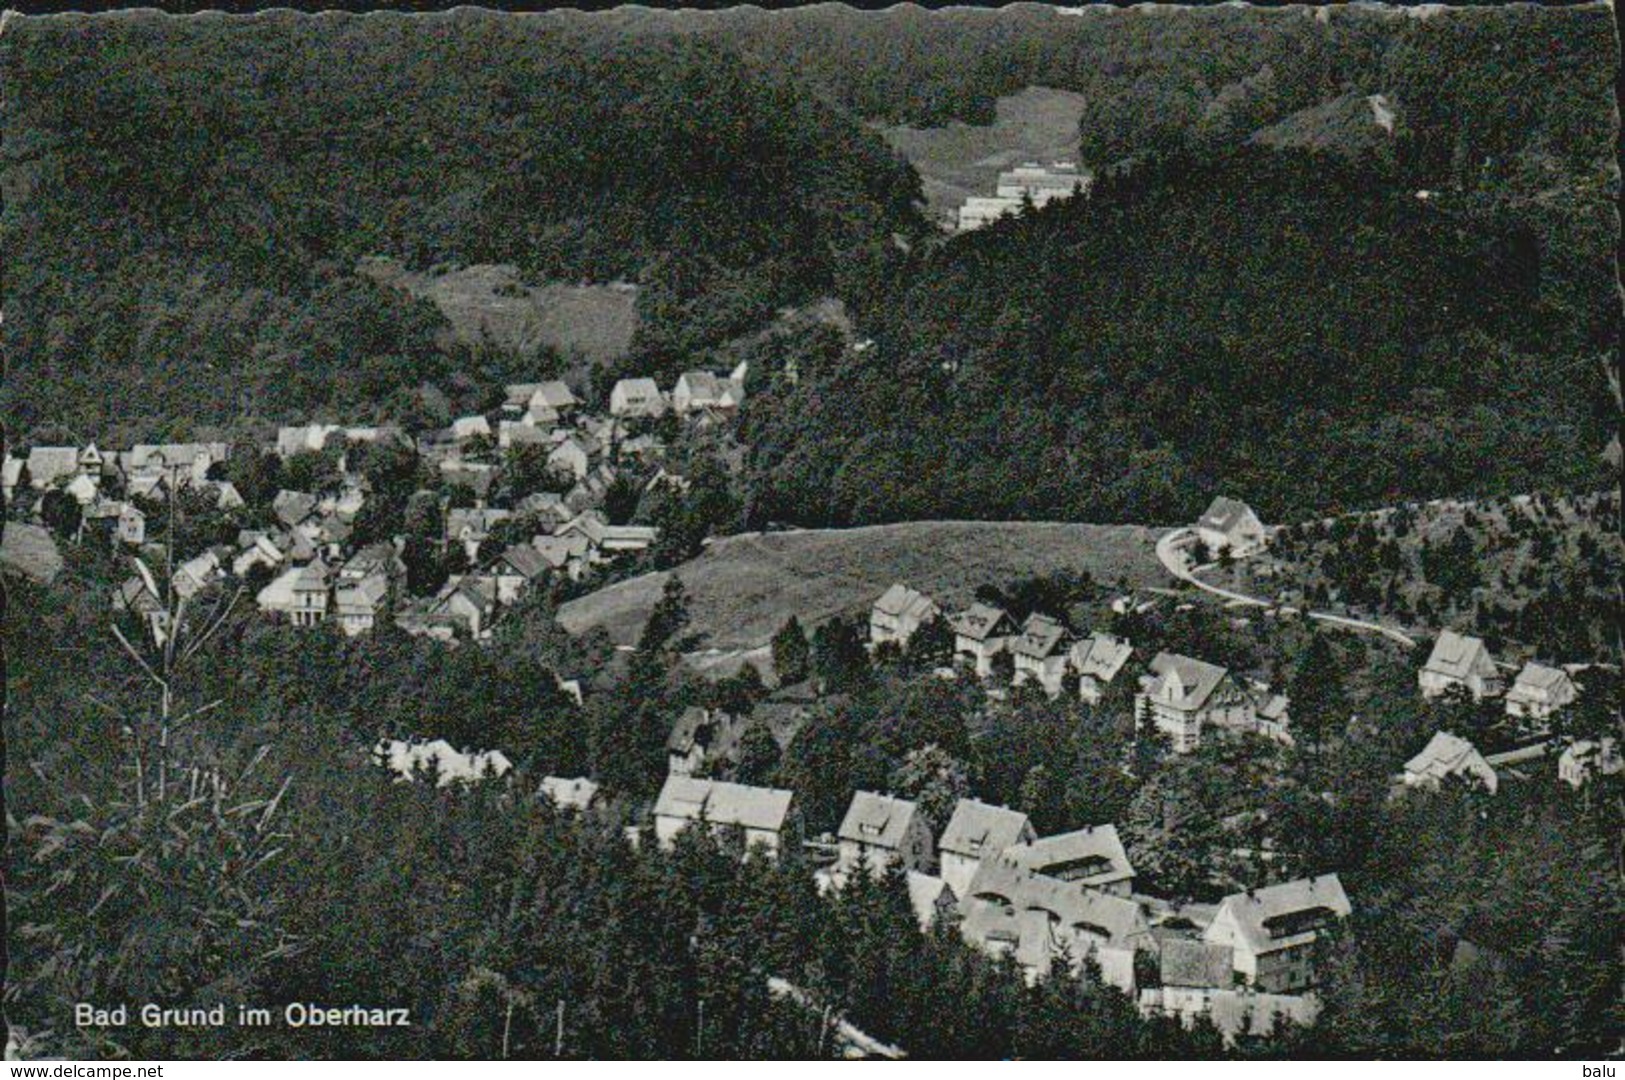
[[558, 1032]]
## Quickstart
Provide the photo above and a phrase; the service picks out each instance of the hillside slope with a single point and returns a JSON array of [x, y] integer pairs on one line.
[[743, 587]]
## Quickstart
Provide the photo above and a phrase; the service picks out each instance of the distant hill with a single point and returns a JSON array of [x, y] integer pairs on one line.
[[1287, 325], [744, 587]]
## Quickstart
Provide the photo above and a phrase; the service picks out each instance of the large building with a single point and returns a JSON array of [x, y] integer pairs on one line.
[[1181, 696], [978, 831], [879, 831], [1460, 660], [1029, 182], [1272, 931], [757, 818]]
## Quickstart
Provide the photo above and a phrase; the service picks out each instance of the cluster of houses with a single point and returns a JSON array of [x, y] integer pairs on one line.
[[318, 576], [1043, 901], [1030, 182], [1179, 696], [104, 484], [1462, 664]]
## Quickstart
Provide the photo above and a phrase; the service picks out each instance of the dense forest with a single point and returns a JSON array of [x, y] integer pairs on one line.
[[1272, 322], [186, 207]]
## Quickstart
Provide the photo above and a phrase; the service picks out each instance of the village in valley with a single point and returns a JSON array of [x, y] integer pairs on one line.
[[1244, 961], [980, 534]]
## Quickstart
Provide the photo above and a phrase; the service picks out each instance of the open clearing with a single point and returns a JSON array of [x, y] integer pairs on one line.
[[742, 588], [1036, 124], [29, 550], [592, 323]]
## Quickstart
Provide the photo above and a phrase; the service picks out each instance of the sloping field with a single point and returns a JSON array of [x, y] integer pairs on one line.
[[1036, 124], [591, 322], [30, 551], [743, 587]]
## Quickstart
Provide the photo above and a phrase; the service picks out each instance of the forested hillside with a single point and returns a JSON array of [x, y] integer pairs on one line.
[[1279, 323], [186, 201], [186, 207]]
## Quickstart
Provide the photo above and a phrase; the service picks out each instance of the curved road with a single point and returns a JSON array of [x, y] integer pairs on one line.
[[1171, 556]]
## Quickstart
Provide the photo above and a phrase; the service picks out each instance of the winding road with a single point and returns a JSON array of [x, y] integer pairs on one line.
[[1171, 553]]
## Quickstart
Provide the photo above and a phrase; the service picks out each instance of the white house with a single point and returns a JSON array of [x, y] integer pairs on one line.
[[1448, 755], [1581, 760], [1231, 526], [470, 427], [1540, 691], [1036, 920], [697, 390], [1272, 931], [570, 457], [759, 818], [1181, 695], [981, 632], [47, 465], [1460, 660], [359, 601], [1093, 857], [1097, 660], [880, 831], [632, 398], [978, 831], [898, 613], [299, 595], [448, 764], [198, 573], [573, 793], [1040, 653]]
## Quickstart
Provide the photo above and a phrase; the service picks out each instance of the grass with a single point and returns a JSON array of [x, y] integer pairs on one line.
[[1036, 124], [30, 551], [742, 588], [590, 322]]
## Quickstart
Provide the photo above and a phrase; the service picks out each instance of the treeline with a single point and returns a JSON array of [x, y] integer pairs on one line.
[[186, 200], [1275, 322]]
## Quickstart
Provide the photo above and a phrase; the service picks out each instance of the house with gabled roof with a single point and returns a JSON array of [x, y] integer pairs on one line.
[[187, 462], [1539, 691], [757, 818], [1449, 756], [132, 525], [300, 594], [930, 898], [570, 457], [469, 602], [473, 426], [358, 602], [1097, 660], [48, 465], [697, 390], [982, 632], [637, 398], [568, 555], [1093, 857], [440, 759], [516, 570], [1460, 660], [197, 573], [898, 613], [880, 831], [1230, 525], [294, 508], [1272, 931], [469, 526], [576, 794], [1180, 696], [1585, 758], [978, 831], [136, 597], [1035, 919], [1040, 653], [699, 735]]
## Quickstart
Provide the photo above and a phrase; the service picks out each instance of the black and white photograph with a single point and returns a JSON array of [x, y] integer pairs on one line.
[[1015, 533]]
